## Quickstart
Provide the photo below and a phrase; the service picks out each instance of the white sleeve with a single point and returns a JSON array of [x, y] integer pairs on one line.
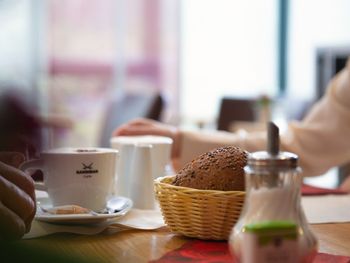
[[196, 143], [322, 139]]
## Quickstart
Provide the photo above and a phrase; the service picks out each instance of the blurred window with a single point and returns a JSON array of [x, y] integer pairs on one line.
[[313, 24], [15, 56], [98, 50], [228, 48]]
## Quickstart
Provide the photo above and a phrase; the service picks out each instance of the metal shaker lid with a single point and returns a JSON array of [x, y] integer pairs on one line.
[[273, 158], [281, 160]]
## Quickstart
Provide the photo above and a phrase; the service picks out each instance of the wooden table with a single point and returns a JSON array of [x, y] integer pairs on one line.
[[142, 246]]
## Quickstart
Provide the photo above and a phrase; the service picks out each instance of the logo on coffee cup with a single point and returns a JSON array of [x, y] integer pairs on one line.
[[87, 170]]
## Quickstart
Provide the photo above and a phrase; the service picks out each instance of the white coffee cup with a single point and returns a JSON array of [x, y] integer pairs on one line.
[[129, 148], [77, 176]]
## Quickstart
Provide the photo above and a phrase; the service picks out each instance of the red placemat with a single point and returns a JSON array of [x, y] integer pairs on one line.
[[198, 251], [313, 190]]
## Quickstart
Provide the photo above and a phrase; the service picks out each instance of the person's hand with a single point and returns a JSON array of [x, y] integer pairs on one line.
[[151, 127], [17, 197]]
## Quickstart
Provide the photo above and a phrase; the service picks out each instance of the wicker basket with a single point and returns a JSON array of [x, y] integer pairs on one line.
[[203, 214]]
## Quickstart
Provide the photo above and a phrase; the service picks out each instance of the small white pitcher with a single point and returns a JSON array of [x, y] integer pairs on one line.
[[142, 159], [141, 178]]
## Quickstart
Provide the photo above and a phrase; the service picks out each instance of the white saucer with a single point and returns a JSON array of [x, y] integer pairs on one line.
[[80, 218]]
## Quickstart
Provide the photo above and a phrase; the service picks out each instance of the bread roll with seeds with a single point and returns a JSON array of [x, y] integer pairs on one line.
[[219, 169]]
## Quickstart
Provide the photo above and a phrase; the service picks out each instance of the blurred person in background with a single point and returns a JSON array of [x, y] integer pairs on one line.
[[19, 140], [17, 197], [321, 139]]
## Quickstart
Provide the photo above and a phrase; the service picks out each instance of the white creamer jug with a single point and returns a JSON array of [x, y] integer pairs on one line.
[[142, 159]]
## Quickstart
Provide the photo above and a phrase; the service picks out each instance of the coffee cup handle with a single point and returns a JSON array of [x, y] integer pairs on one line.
[[34, 164]]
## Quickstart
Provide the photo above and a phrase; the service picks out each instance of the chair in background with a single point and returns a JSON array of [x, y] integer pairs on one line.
[[240, 112], [235, 109], [128, 107]]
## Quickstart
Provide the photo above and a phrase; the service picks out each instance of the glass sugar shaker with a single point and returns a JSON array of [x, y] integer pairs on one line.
[[272, 226]]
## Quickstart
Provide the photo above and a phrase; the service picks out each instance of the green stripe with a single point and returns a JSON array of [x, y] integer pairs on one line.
[[267, 232]]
